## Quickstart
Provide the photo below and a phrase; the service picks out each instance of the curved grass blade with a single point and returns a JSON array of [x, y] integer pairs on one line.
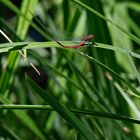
[[64, 112]]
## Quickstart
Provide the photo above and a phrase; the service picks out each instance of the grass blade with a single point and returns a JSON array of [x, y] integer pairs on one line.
[[65, 113]]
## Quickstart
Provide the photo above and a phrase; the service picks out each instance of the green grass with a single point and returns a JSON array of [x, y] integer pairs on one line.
[[88, 93]]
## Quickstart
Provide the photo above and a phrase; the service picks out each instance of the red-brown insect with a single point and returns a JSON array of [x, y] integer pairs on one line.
[[84, 40]]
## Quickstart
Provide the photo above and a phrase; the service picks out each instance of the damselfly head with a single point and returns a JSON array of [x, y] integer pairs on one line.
[[86, 38], [90, 36]]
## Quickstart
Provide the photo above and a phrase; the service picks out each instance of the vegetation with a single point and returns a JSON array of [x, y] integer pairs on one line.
[[91, 92]]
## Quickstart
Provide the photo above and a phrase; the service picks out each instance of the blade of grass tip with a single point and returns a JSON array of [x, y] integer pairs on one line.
[[133, 37], [64, 112]]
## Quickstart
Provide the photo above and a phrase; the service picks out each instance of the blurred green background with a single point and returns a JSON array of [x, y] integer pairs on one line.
[[88, 93]]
